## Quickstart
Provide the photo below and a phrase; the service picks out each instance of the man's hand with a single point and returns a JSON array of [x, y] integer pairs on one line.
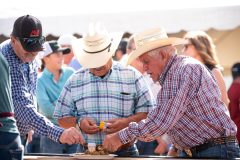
[[71, 136], [89, 126], [30, 134], [172, 152], [112, 142], [162, 146], [116, 124]]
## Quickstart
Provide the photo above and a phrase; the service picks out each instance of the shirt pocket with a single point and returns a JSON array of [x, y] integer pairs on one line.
[[126, 103]]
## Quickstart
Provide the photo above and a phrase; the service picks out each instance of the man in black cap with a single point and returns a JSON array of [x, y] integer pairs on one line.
[[20, 51]]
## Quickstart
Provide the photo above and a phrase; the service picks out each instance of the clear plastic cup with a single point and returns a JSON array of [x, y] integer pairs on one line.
[[92, 147]]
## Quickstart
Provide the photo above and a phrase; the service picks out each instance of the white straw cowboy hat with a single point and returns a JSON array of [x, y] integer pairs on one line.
[[151, 39], [96, 47]]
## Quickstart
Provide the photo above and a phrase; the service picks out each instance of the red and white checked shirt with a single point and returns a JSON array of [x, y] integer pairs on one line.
[[189, 107]]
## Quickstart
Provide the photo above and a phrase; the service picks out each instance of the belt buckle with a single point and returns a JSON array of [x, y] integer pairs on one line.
[[188, 152]]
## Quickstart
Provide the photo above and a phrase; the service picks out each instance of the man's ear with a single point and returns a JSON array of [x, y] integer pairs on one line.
[[13, 40], [163, 54], [166, 53]]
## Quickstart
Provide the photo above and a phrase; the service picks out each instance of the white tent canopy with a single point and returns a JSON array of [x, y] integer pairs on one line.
[[125, 15]]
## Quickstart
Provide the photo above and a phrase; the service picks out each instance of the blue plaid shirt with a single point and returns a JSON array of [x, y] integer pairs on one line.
[[24, 77], [121, 93]]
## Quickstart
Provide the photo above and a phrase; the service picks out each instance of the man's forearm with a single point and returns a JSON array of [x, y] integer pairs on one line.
[[67, 122], [120, 123], [137, 117]]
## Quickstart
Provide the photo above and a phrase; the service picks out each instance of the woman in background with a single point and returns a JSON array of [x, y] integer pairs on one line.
[[200, 46]]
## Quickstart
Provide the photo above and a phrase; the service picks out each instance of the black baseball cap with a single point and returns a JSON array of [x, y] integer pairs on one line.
[[28, 30]]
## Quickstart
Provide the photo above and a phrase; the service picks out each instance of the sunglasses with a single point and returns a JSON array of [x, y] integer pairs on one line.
[[32, 41], [32, 44]]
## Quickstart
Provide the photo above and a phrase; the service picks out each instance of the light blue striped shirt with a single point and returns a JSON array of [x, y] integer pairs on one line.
[[121, 93], [48, 91]]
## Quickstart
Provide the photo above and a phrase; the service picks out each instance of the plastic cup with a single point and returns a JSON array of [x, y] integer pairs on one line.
[[92, 147]]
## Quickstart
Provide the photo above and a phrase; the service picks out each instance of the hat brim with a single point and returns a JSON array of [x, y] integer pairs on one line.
[[32, 48], [42, 54], [64, 50], [90, 60], [153, 45]]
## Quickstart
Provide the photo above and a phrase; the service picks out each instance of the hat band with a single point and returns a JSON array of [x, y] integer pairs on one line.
[[108, 47]]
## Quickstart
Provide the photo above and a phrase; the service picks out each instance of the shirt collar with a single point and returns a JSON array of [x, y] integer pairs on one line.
[[48, 73], [166, 69], [108, 74], [13, 55]]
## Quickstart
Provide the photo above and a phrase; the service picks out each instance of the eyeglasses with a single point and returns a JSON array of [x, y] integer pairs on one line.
[[32, 41], [187, 45]]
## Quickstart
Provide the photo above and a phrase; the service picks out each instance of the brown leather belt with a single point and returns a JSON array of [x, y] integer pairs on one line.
[[211, 143], [6, 114]]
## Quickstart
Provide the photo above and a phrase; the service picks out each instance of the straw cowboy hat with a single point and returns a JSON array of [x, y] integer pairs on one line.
[[96, 47], [151, 39]]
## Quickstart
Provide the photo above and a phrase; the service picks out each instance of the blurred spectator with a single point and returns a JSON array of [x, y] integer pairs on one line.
[[234, 97], [69, 59], [10, 142], [49, 86], [200, 46], [121, 50]]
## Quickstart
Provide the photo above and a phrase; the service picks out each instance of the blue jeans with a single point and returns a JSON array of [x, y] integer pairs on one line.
[[24, 140], [221, 151], [147, 148], [10, 146], [50, 146]]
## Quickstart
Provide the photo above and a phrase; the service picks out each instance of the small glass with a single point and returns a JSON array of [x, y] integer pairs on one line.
[[91, 147]]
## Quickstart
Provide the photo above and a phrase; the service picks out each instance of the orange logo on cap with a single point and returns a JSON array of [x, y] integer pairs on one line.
[[35, 33]]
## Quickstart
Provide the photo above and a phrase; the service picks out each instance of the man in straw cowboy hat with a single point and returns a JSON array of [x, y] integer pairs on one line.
[[103, 90], [189, 107]]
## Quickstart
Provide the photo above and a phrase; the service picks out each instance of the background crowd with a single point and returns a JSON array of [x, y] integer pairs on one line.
[[57, 92]]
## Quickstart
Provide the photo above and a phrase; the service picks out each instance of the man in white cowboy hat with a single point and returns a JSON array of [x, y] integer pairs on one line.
[[103, 90], [189, 107]]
